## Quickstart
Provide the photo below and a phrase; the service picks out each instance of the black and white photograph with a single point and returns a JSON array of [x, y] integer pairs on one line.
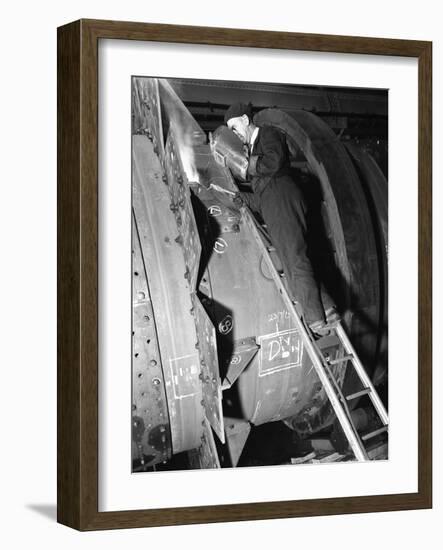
[[259, 274]]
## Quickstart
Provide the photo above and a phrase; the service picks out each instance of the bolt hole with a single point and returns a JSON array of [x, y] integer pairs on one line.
[[148, 341], [136, 273], [136, 355]]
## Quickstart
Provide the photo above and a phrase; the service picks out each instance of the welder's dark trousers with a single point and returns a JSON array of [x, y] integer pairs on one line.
[[282, 208]]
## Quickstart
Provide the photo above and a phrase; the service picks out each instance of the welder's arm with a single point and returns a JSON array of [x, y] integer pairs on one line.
[[273, 157], [228, 151]]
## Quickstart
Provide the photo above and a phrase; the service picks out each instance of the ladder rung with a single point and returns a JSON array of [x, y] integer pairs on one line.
[[341, 359], [362, 374], [281, 274], [358, 394], [374, 433]]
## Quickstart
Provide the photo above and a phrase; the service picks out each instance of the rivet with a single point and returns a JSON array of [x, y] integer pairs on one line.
[[153, 362], [156, 381]]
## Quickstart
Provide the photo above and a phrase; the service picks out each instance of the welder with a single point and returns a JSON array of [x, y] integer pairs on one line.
[[275, 196]]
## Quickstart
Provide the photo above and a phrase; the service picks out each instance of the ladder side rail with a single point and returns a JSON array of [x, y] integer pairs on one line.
[[349, 430], [361, 372]]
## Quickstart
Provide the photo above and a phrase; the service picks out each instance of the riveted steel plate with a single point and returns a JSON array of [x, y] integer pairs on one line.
[[150, 429], [212, 393], [205, 456], [170, 295], [147, 111], [187, 233]]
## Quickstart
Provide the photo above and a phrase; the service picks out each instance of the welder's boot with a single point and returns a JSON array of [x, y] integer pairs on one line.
[[319, 328], [332, 316]]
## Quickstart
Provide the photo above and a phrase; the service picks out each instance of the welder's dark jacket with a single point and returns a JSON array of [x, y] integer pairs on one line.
[[269, 159], [278, 200]]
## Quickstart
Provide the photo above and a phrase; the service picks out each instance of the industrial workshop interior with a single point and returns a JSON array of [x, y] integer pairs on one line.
[[226, 370]]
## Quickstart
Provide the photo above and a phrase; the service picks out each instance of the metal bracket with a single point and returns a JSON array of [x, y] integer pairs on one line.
[[151, 432], [244, 351], [237, 432]]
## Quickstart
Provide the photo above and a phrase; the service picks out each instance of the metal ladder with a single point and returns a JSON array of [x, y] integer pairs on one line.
[[322, 364]]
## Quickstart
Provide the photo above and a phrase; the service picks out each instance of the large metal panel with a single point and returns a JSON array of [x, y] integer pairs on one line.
[[188, 239], [170, 295], [210, 375], [205, 456], [244, 302], [181, 206], [151, 433]]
